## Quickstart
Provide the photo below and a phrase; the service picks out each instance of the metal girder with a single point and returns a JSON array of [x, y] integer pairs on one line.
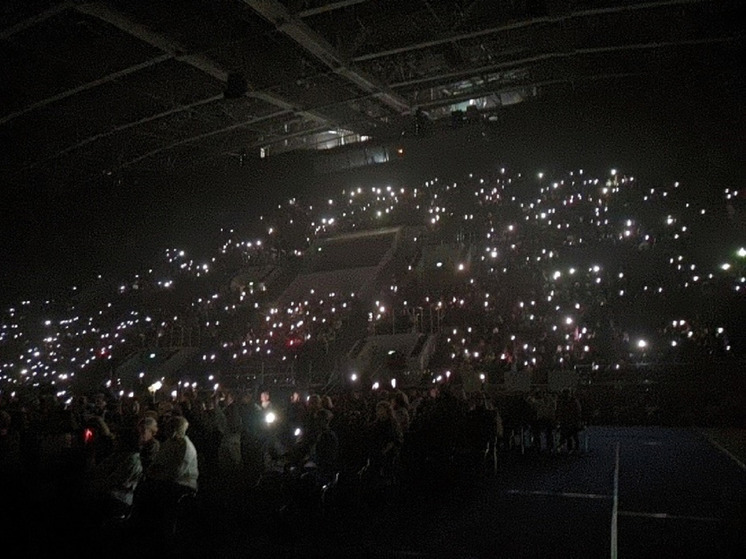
[[224, 130], [526, 23], [123, 127], [85, 87], [316, 45], [172, 49], [329, 7], [543, 57], [289, 136], [179, 52], [123, 22], [33, 20]]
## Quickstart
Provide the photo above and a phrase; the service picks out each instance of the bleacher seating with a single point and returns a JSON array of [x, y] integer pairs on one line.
[[344, 265]]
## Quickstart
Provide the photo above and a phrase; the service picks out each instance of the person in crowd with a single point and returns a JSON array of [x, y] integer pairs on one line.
[[400, 407], [98, 440], [265, 399], [270, 423], [482, 433], [9, 445], [171, 477], [100, 405], [320, 466], [128, 412], [385, 439], [545, 419], [149, 445], [313, 404], [255, 431], [414, 397], [166, 409], [80, 411], [311, 427], [114, 480], [327, 403], [570, 418], [169, 482], [175, 466], [325, 451], [214, 426], [294, 421], [230, 450], [296, 410]]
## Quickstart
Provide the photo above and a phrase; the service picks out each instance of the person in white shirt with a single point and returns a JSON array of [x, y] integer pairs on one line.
[[176, 461], [170, 478]]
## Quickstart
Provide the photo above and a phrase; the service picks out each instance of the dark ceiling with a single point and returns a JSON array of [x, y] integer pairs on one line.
[[94, 88]]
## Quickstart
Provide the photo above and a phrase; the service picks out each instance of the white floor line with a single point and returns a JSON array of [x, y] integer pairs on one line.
[[724, 450], [615, 507], [568, 494], [666, 516]]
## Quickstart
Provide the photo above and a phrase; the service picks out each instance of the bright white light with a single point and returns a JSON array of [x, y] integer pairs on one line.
[[270, 418]]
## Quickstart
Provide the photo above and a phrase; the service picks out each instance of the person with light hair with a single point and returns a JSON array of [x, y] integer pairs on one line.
[[176, 461], [170, 481], [149, 445]]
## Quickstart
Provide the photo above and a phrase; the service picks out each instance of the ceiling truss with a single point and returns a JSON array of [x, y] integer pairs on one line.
[[351, 65]]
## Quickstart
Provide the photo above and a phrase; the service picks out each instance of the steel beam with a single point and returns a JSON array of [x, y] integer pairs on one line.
[[543, 57], [85, 87], [27, 23], [274, 12], [328, 8], [191, 139], [534, 22], [180, 53], [123, 127]]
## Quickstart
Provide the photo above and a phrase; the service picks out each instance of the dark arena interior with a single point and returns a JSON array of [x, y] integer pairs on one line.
[[373, 279]]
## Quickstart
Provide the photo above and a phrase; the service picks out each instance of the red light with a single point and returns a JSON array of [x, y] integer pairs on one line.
[[88, 435]]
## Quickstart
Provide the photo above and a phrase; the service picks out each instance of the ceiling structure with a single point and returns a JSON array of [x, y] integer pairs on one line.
[[92, 88]]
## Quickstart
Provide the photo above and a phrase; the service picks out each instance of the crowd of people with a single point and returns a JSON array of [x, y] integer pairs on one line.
[[128, 454], [511, 273], [523, 272]]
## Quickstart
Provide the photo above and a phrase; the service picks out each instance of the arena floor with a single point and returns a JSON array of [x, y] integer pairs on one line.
[[634, 493]]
